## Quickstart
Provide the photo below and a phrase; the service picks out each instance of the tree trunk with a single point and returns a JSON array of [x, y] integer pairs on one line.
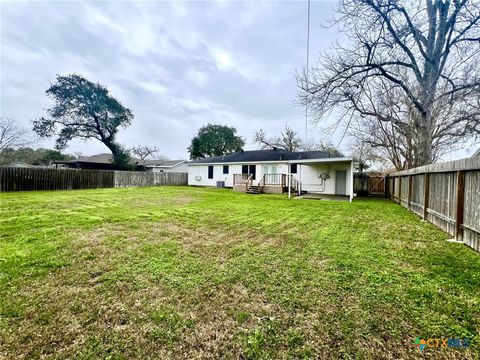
[[120, 156], [423, 152]]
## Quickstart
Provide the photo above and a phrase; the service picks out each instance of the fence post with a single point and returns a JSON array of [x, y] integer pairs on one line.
[[460, 205], [393, 189], [409, 195], [426, 194], [400, 190], [386, 185]]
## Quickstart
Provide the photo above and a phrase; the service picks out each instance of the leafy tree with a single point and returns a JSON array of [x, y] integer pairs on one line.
[[31, 156], [288, 140], [84, 110], [409, 77], [215, 140]]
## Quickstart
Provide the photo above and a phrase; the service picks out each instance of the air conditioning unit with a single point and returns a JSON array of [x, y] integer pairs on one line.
[[324, 176], [198, 178]]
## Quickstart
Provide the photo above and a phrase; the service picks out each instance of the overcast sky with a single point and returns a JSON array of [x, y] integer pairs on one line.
[[177, 65]]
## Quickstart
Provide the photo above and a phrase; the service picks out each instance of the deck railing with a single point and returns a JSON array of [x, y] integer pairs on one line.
[[280, 180], [249, 182], [274, 179], [240, 179]]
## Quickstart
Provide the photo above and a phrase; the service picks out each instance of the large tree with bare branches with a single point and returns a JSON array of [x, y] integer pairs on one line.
[[409, 82], [12, 135], [288, 140], [145, 151]]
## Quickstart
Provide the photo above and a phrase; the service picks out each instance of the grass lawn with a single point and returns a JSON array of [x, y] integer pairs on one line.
[[176, 272]]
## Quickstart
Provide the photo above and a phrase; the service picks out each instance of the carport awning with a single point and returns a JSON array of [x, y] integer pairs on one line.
[[342, 160]]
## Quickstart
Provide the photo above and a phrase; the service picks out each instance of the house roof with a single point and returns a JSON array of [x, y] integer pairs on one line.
[[163, 163], [477, 153], [107, 158], [265, 155], [99, 159]]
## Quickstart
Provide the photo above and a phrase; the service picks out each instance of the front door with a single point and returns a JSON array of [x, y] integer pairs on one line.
[[253, 171], [340, 182]]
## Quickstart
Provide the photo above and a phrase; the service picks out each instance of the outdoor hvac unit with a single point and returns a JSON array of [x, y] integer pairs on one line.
[[324, 176], [220, 184]]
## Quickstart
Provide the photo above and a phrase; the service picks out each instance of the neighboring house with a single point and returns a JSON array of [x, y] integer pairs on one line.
[[272, 171], [95, 162], [24, 165], [105, 162], [166, 165], [477, 153]]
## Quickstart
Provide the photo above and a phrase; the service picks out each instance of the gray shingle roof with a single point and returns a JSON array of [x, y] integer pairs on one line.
[[165, 163], [105, 158], [264, 155]]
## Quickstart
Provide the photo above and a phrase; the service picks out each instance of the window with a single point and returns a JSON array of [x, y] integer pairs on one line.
[[225, 169], [269, 169], [244, 169], [210, 171], [293, 168]]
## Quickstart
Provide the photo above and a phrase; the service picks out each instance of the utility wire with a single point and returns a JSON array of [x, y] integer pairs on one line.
[[308, 55]]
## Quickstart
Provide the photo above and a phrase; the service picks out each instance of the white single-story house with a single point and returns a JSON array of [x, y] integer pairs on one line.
[[179, 166], [276, 171]]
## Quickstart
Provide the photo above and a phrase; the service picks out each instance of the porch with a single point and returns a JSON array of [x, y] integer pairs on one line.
[[268, 183]]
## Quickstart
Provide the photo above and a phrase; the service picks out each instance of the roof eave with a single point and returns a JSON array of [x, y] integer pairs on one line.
[[296, 161], [321, 160]]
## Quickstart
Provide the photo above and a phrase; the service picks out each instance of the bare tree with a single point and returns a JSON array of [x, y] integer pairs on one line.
[[288, 140], [144, 152], [11, 135], [325, 145], [365, 155], [410, 78]]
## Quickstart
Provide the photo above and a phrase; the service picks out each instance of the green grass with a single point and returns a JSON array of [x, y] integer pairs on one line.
[[175, 272]]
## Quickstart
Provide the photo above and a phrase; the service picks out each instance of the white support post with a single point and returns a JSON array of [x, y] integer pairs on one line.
[[299, 170], [351, 181], [289, 181]]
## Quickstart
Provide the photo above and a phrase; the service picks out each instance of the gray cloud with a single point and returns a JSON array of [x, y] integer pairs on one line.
[[177, 65]]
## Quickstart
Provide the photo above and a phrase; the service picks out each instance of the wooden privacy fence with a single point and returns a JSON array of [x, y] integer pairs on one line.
[[147, 178], [25, 179], [445, 194], [364, 184]]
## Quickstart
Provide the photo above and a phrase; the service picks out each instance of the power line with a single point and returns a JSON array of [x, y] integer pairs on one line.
[[308, 55]]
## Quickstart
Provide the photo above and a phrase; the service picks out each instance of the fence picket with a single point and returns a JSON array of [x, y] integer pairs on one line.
[[24, 179], [451, 196]]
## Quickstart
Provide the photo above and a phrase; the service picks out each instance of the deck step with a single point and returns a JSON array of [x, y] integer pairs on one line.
[[254, 189]]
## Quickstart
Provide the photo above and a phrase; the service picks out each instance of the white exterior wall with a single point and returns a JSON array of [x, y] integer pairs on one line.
[[309, 175], [312, 183], [201, 171], [179, 168]]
